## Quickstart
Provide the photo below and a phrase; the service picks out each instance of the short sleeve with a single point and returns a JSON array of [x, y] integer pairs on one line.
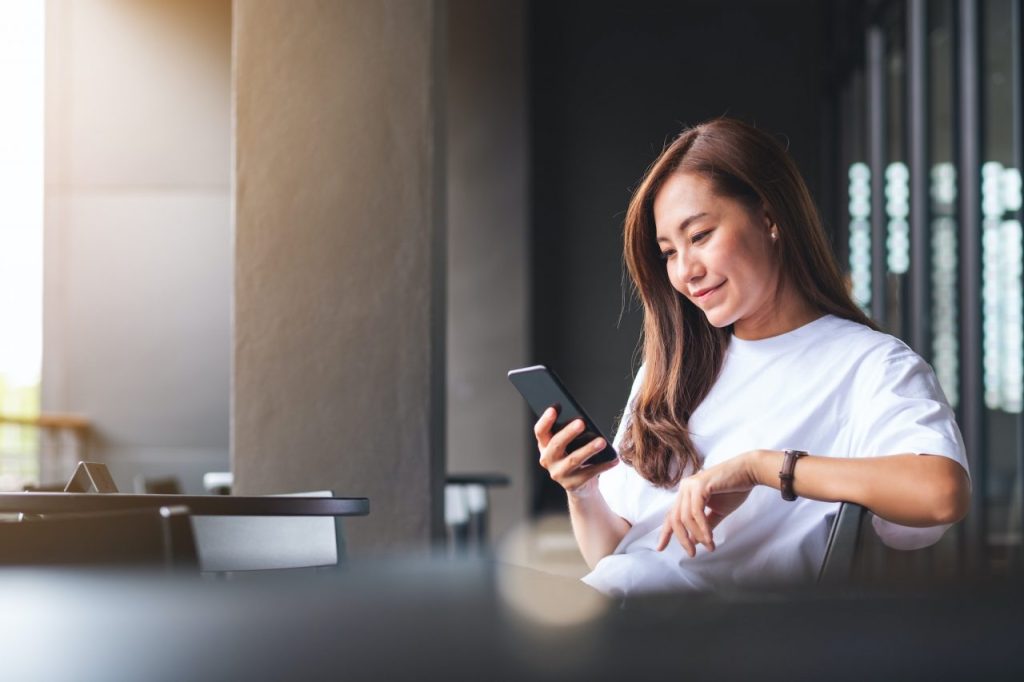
[[614, 483], [899, 407]]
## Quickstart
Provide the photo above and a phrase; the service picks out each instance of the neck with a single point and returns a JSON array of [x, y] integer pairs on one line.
[[777, 317]]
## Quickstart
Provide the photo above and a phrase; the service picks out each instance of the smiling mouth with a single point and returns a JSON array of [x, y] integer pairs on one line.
[[706, 292]]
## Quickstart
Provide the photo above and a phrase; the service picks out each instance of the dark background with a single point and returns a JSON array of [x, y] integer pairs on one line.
[[609, 84]]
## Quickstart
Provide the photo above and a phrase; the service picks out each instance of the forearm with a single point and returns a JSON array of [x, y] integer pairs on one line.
[[597, 528], [909, 490]]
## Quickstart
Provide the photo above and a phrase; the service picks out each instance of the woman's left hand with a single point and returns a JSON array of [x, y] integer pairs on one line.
[[705, 499]]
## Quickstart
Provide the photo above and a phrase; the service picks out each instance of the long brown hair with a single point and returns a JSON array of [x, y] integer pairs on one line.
[[682, 351]]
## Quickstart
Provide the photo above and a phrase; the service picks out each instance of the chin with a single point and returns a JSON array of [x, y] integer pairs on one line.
[[719, 319]]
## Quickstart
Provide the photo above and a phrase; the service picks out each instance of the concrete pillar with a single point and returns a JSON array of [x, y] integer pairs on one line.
[[488, 250], [339, 318]]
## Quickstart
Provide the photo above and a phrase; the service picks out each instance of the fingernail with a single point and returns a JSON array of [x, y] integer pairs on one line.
[[597, 443]]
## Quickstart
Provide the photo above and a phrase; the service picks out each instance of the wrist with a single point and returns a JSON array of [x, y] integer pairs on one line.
[[583, 493], [765, 465]]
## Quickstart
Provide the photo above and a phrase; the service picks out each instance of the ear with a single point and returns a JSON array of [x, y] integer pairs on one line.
[[771, 227]]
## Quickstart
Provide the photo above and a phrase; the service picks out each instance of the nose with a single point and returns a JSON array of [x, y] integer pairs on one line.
[[688, 268]]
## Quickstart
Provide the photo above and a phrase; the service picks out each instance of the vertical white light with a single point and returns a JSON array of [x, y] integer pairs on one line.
[[1011, 343], [1001, 286], [1012, 379], [944, 280], [897, 208], [21, 230], [21, 190], [860, 233], [992, 213]]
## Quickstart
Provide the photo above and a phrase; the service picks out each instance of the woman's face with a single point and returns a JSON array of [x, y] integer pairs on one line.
[[718, 253]]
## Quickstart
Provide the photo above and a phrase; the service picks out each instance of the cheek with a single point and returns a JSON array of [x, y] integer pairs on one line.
[[747, 267]]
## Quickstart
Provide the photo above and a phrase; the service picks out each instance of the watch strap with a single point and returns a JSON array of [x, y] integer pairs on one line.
[[786, 475]]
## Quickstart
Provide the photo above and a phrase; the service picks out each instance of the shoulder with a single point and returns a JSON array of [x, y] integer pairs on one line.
[[883, 367], [870, 363], [863, 345], [638, 379]]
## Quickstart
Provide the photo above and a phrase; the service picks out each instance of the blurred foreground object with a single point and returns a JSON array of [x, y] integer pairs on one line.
[[412, 617]]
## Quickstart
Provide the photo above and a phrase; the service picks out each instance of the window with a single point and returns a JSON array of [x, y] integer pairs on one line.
[[21, 232]]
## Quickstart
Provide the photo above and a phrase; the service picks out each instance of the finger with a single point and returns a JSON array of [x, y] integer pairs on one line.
[[555, 453], [562, 439], [665, 536], [591, 470], [542, 429], [700, 521], [572, 464], [686, 521], [580, 455], [682, 535], [667, 530], [576, 478], [693, 543]]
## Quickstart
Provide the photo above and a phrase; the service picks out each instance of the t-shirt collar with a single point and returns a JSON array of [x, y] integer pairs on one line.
[[780, 341]]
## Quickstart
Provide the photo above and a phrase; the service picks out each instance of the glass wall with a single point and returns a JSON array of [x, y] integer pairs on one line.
[[966, 233], [1001, 267], [942, 198], [896, 173]]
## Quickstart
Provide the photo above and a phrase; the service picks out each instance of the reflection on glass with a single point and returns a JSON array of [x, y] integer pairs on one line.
[[897, 176], [897, 208], [1001, 290], [943, 192], [1000, 242], [945, 343], [860, 233]]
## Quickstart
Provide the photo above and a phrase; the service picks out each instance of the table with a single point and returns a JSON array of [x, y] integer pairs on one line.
[[198, 505]]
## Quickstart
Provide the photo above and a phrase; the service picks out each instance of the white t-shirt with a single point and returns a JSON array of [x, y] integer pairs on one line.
[[832, 387]]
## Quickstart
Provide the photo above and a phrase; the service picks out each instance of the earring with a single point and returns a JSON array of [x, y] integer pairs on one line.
[[775, 235]]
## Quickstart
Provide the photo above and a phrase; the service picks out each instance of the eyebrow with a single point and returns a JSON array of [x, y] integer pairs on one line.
[[685, 224]]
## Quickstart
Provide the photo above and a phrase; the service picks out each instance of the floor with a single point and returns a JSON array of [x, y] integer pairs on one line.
[[544, 544]]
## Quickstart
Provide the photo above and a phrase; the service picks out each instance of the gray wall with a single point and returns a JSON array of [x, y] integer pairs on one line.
[[339, 259], [137, 239], [488, 248]]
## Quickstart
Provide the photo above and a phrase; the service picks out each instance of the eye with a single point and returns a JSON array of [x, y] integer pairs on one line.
[[699, 236], [665, 255]]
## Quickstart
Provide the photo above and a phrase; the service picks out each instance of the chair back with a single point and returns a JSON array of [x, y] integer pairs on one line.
[[855, 555], [842, 546], [254, 543]]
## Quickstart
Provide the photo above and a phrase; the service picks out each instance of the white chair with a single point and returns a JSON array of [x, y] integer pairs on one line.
[[259, 543]]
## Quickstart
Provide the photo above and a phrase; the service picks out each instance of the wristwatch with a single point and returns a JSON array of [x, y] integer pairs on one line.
[[786, 475]]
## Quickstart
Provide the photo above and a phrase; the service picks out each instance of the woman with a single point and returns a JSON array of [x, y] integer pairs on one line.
[[752, 347]]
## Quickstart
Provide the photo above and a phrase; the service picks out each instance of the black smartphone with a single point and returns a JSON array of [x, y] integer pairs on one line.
[[542, 389]]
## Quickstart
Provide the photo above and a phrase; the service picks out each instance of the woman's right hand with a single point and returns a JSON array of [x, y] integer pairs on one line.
[[566, 469]]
